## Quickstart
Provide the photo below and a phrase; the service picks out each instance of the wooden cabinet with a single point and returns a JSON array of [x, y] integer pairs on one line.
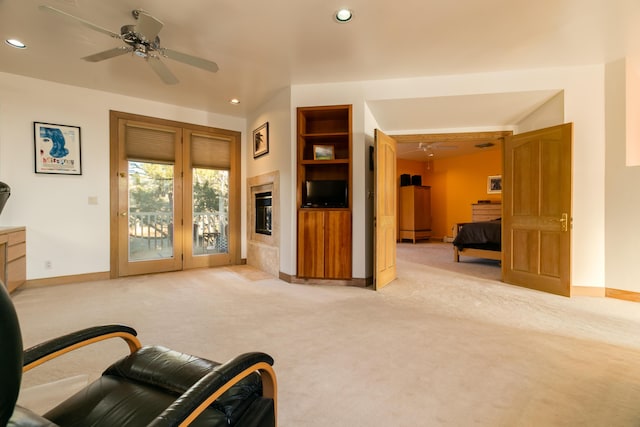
[[415, 212], [324, 244], [324, 141], [486, 211], [13, 256]]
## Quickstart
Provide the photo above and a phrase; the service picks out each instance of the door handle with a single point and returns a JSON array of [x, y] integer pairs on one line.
[[123, 214], [564, 221]]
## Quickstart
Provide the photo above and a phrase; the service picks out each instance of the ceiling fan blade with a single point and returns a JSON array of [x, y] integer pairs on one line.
[[80, 20], [111, 53], [147, 27], [190, 60], [161, 70]]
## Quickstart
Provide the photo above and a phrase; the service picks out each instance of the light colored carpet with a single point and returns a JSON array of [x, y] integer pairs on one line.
[[434, 348]]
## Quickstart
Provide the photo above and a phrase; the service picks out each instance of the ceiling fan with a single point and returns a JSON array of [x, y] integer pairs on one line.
[[141, 40], [430, 148]]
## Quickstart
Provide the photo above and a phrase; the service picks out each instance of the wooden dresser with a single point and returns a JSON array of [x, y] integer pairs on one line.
[[415, 212], [13, 256], [485, 211]]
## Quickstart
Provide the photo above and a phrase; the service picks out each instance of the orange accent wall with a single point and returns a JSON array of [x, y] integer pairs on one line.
[[412, 167], [456, 183]]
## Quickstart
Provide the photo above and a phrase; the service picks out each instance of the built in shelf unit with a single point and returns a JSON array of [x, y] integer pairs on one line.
[[324, 233]]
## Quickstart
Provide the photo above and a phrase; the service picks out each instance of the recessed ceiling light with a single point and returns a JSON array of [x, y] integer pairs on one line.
[[16, 43], [234, 101], [343, 15]]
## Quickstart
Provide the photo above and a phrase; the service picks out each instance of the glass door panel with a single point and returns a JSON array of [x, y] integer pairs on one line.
[[210, 207], [151, 216]]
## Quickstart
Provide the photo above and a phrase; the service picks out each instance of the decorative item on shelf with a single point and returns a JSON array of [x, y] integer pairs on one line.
[[5, 192], [57, 149], [261, 141], [323, 152], [494, 184]]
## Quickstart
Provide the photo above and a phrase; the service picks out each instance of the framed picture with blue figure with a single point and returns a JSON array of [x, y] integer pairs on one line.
[[57, 149]]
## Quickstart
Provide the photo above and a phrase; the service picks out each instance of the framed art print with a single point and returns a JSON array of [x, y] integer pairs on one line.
[[323, 152], [261, 140], [494, 184], [57, 149]]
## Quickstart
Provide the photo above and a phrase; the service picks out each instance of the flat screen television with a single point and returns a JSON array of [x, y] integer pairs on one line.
[[325, 194]]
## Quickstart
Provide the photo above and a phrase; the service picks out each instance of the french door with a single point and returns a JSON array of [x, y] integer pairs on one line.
[[174, 196]]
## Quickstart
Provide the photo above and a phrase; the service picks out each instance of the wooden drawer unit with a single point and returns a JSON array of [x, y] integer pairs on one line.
[[486, 211], [14, 257]]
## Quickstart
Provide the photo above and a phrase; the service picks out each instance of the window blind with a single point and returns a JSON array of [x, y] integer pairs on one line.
[[210, 152], [144, 143]]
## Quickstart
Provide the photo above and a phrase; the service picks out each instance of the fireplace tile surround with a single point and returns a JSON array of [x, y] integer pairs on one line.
[[263, 251]]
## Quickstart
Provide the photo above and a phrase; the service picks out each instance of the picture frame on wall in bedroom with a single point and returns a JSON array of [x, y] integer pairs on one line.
[[494, 184]]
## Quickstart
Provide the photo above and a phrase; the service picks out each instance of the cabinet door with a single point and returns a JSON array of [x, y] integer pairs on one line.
[[423, 208], [407, 209], [337, 245], [311, 246]]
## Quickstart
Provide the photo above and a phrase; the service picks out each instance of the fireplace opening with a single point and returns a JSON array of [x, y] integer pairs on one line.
[[263, 204]]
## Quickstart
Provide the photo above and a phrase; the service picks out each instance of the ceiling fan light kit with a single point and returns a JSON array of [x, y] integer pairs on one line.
[[142, 41]]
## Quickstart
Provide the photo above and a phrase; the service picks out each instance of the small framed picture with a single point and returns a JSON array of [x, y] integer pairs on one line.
[[323, 152], [57, 149], [494, 184], [261, 141]]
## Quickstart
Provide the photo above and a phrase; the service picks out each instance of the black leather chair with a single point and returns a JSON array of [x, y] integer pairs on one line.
[[152, 386]]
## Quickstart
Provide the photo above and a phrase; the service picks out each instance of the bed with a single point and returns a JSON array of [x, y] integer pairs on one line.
[[481, 239]]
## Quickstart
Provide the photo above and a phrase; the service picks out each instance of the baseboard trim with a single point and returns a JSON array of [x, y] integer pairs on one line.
[[623, 295], [587, 291], [65, 280]]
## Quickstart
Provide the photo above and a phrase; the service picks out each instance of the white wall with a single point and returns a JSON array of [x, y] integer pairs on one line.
[[632, 112], [73, 235], [583, 105], [61, 226], [551, 113], [370, 126], [622, 181], [277, 112]]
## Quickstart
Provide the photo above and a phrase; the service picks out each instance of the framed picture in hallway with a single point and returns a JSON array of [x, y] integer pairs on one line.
[[57, 149], [494, 184]]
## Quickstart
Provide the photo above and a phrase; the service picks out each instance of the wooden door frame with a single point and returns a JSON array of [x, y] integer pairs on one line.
[[234, 182]]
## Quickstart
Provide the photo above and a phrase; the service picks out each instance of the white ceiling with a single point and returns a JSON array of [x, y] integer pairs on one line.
[[262, 47]]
